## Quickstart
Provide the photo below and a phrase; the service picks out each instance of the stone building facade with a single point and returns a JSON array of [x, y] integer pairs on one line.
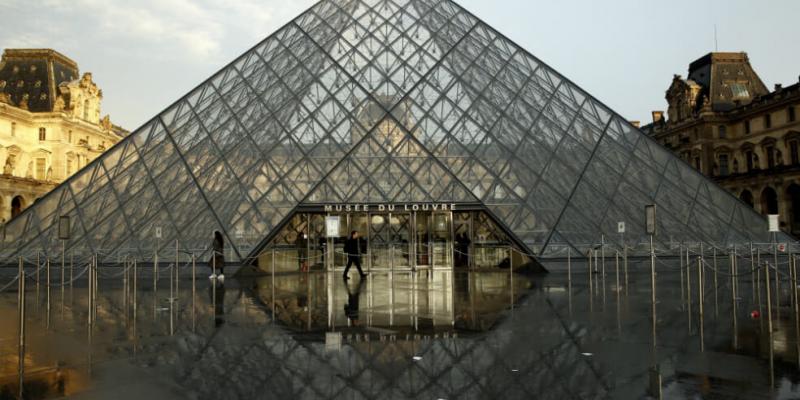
[[724, 121], [50, 125]]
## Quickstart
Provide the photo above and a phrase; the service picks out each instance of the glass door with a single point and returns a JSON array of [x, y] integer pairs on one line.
[[422, 247], [399, 240], [379, 241], [389, 243], [442, 239]]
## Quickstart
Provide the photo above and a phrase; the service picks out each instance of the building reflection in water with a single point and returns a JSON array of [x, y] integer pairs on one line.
[[426, 302]]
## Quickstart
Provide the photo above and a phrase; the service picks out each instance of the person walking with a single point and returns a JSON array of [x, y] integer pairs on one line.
[[352, 247], [217, 261], [302, 252]]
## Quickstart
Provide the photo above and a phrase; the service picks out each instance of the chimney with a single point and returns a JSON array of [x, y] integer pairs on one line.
[[778, 87], [658, 117], [636, 124]]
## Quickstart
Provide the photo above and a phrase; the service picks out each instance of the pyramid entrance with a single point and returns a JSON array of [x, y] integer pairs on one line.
[[395, 237]]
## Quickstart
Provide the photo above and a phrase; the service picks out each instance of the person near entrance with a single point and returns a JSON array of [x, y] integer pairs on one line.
[[217, 261], [352, 247], [302, 252], [462, 247]]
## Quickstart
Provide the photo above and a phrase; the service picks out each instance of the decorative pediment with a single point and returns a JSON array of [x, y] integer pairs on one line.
[[80, 98], [683, 97]]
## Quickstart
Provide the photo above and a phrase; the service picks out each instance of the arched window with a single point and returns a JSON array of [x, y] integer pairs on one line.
[[769, 201], [17, 204]]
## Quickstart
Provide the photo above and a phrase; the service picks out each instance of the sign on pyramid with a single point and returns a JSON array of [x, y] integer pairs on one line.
[[390, 103]]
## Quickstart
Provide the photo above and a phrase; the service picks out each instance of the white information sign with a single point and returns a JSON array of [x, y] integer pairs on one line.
[[332, 226], [158, 232], [773, 223], [620, 227]]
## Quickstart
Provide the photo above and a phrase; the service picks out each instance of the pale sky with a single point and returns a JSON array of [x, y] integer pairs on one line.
[[145, 54]]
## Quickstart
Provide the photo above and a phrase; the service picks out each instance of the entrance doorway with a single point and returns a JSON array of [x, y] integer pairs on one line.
[[394, 240], [401, 240]]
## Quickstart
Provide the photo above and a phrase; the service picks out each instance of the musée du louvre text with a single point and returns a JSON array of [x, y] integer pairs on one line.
[[346, 208]]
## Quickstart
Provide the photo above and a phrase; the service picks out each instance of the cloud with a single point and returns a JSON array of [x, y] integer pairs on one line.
[[199, 28]]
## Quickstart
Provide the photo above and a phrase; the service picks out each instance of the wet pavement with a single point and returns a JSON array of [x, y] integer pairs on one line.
[[428, 335]]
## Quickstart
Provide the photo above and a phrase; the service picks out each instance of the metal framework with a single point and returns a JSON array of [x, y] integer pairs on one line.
[[382, 101]]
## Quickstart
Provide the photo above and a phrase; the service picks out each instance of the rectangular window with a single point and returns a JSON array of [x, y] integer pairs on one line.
[[69, 137], [791, 117], [793, 152], [767, 121], [697, 164], [42, 134], [69, 166], [747, 127], [723, 165], [723, 131], [40, 168], [13, 129], [770, 156]]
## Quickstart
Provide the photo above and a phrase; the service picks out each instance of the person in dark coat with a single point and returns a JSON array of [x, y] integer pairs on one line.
[[302, 252], [352, 247], [217, 261], [463, 245]]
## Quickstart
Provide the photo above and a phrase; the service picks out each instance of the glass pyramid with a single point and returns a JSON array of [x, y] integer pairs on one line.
[[382, 101]]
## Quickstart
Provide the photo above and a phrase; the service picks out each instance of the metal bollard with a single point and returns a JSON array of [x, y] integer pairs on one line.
[[701, 297], [752, 271], [689, 290], [769, 326], [616, 268], [683, 289], [511, 278], [591, 288], [47, 273], [177, 270], [194, 290], [625, 262], [777, 294], [90, 288], [273, 285], [733, 304], [569, 279], [569, 266], [716, 286], [654, 319], [96, 287], [38, 268], [21, 315], [135, 279], [603, 256], [796, 308]]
